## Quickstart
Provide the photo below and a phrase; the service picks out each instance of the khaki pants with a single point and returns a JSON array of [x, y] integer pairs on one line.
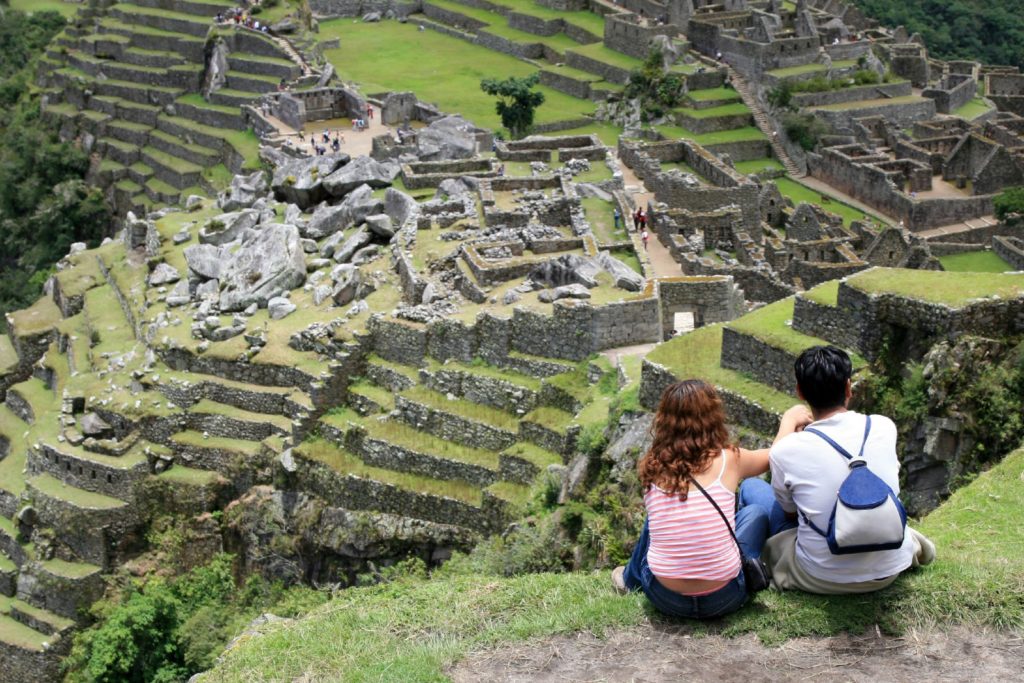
[[787, 574]]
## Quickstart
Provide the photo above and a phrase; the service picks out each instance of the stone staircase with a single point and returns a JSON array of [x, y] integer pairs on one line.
[[287, 48], [129, 76], [763, 122]]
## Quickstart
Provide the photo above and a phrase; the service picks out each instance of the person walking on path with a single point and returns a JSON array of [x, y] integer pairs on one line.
[[617, 217], [643, 220], [644, 237], [636, 219], [369, 111]]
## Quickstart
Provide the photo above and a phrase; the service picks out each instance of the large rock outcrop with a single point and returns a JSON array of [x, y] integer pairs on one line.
[[362, 171], [267, 262], [300, 181], [450, 137]]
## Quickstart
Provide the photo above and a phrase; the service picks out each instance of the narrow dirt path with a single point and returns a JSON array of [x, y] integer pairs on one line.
[[661, 260], [656, 653]]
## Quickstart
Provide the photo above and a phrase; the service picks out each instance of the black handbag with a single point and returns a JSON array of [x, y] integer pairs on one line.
[[756, 574]]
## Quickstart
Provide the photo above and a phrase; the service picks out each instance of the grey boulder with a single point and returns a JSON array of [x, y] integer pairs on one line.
[[624, 276], [360, 203], [278, 307], [266, 263], [326, 220], [244, 191], [346, 284], [359, 239], [380, 224], [228, 227], [450, 137], [399, 206], [300, 181], [363, 170], [574, 291], [164, 274], [205, 261]]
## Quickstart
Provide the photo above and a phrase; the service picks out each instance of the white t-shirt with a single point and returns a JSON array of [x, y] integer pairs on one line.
[[807, 473]]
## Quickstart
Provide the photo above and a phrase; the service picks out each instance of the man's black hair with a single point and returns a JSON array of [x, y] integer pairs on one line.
[[821, 374]]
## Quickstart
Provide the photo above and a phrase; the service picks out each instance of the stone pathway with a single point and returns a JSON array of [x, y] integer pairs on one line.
[[661, 261], [954, 229]]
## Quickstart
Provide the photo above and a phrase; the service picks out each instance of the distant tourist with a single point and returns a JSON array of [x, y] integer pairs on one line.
[[642, 218], [643, 238], [369, 111], [636, 219], [617, 217], [690, 556], [821, 541]]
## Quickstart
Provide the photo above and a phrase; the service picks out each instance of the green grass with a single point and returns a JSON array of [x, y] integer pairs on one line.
[[70, 570], [599, 214], [975, 262], [801, 193], [340, 461], [12, 478], [864, 104], [450, 78], [194, 438], [81, 498], [208, 407], [826, 293], [772, 325], [733, 109], [551, 418], [39, 317], [19, 635], [483, 370], [8, 356], [758, 165], [606, 132], [462, 408], [713, 94], [67, 9], [414, 630], [952, 289], [696, 355], [600, 53], [401, 434], [180, 474], [533, 453], [382, 397], [973, 109]]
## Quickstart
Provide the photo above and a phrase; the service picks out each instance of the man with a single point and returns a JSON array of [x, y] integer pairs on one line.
[[806, 474]]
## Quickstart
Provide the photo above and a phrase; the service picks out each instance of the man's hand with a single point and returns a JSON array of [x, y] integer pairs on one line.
[[794, 420]]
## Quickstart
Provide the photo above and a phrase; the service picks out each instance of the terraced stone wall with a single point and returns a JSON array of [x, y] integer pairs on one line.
[[711, 299], [953, 92], [853, 94], [627, 323], [1011, 249], [357, 8], [901, 115]]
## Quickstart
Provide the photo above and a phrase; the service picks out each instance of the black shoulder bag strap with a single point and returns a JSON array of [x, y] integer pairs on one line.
[[720, 514]]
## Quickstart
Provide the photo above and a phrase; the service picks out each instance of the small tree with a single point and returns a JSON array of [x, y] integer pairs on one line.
[[517, 101], [1011, 200]]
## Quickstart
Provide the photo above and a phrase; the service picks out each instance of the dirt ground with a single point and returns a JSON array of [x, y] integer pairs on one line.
[[656, 653]]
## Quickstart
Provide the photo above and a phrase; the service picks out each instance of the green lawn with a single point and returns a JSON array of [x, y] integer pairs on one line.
[[450, 78], [975, 262], [65, 8], [713, 94], [952, 289], [772, 324], [757, 165], [733, 109], [973, 109], [872, 104], [697, 355], [801, 193], [599, 52], [827, 293]]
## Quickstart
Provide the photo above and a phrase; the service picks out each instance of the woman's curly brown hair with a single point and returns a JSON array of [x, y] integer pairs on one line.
[[689, 431]]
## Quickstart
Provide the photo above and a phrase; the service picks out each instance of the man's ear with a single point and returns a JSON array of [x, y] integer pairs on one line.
[[849, 391], [800, 394]]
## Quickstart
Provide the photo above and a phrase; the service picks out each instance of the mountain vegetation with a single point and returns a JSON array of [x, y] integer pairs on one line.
[[959, 29]]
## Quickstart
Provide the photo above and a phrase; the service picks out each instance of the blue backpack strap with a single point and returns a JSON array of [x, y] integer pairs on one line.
[[842, 451]]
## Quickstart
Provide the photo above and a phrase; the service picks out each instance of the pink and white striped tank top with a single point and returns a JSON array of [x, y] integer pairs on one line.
[[688, 537]]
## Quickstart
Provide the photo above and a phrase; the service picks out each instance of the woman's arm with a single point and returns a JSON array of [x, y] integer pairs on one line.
[[753, 463]]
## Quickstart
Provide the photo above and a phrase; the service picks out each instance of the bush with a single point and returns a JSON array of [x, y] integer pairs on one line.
[[804, 129], [1011, 200]]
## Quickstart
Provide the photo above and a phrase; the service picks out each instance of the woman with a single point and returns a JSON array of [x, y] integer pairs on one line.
[[686, 561]]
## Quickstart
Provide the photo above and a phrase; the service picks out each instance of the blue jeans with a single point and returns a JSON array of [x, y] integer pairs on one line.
[[759, 493], [751, 528]]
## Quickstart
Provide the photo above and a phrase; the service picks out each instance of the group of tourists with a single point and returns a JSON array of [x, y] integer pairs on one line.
[[830, 521], [326, 141], [240, 16]]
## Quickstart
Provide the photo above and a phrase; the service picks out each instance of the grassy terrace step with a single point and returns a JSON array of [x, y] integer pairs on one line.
[[243, 57], [172, 162], [407, 370], [771, 324], [517, 495], [401, 434], [462, 408], [733, 109], [869, 104], [190, 23], [70, 570], [16, 634], [550, 418], [378, 395], [713, 95], [698, 355], [129, 461], [207, 407], [79, 498], [534, 454], [40, 400], [41, 316], [947, 288], [343, 462], [197, 100], [180, 474], [210, 156], [54, 623], [8, 356], [14, 429], [197, 440], [825, 294], [492, 372], [294, 395], [600, 53]]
